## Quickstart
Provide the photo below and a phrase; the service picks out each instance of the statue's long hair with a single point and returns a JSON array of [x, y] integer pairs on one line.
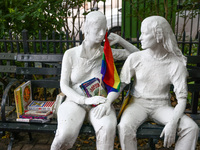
[[166, 35]]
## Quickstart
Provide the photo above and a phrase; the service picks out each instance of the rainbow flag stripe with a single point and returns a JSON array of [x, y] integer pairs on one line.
[[109, 73]]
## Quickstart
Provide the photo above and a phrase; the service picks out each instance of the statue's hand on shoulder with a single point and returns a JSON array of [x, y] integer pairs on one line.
[[101, 110], [95, 100], [169, 133]]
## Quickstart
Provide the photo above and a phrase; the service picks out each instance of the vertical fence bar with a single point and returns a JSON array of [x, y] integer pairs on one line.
[[80, 37], [5, 45], [47, 43], [191, 25], [11, 43], [60, 41], [137, 25], [25, 42], [177, 19], [74, 41], [124, 20], [190, 46], [138, 35], [34, 45], [198, 25], [183, 42], [67, 38], [54, 43], [40, 38], [17, 43], [171, 12]]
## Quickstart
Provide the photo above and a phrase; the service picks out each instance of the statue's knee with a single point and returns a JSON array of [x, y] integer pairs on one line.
[[195, 128], [108, 129], [190, 127], [125, 129], [63, 140]]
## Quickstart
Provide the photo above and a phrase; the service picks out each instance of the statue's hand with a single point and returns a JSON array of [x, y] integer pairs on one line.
[[113, 38], [95, 100], [169, 133], [101, 110]]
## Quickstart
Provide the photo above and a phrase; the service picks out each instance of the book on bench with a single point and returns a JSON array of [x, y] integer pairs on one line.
[[23, 96], [91, 88]]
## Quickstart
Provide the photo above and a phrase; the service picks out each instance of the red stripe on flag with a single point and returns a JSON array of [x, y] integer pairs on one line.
[[109, 77]]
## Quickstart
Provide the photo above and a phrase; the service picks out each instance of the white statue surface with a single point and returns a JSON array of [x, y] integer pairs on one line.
[[154, 69], [80, 64]]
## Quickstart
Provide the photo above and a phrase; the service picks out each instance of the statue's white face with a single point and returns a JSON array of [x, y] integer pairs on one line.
[[147, 38], [97, 32]]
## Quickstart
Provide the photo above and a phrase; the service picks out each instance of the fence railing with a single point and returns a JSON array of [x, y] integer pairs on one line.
[[60, 43]]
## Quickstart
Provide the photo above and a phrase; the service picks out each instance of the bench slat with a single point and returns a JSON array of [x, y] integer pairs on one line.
[[8, 56], [8, 69], [38, 71], [45, 83], [39, 57]]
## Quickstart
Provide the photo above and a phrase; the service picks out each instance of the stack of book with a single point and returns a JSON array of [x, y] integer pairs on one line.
[[29, 110]]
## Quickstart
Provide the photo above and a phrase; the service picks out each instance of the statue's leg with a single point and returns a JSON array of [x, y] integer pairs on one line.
[[70, 120], [187, 130], [105, 129], [133, 116]]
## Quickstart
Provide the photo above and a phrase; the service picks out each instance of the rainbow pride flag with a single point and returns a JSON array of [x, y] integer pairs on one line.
[[109, 73]]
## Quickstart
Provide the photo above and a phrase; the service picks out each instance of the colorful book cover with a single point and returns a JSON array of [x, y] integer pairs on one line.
[[26, 94], [38, 112], [18, 103], [36, 116], [91, 88], [23, 96], [41, 105]]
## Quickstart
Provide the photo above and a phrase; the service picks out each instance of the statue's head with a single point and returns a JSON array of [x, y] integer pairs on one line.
[[162, 33], [95, 25], [159, 27]]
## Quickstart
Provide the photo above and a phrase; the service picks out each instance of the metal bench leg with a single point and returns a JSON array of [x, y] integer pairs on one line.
[[30, 136], [152, 143], [11, 142]]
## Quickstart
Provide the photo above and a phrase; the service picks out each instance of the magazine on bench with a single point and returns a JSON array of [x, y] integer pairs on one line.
[[41, 105]]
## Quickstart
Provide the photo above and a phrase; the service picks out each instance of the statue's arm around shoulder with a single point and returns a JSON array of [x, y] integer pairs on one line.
[[121, 54]]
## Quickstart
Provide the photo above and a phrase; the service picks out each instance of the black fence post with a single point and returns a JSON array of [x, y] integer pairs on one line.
[[25, 42], [26, 50]]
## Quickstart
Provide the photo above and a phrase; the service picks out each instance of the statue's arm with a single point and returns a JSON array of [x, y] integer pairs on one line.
[[126, 74], [71, 94], [114, 38], [105, 108], [180, 88], [66, 79]]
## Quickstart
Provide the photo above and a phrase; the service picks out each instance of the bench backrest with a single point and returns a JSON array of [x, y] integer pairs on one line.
[[49, 67]]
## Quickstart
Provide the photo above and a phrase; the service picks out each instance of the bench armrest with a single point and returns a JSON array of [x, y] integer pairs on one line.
[[5, 95]]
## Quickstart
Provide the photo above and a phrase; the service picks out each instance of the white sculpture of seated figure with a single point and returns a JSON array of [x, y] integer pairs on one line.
[[154, 69], [80, 64]]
